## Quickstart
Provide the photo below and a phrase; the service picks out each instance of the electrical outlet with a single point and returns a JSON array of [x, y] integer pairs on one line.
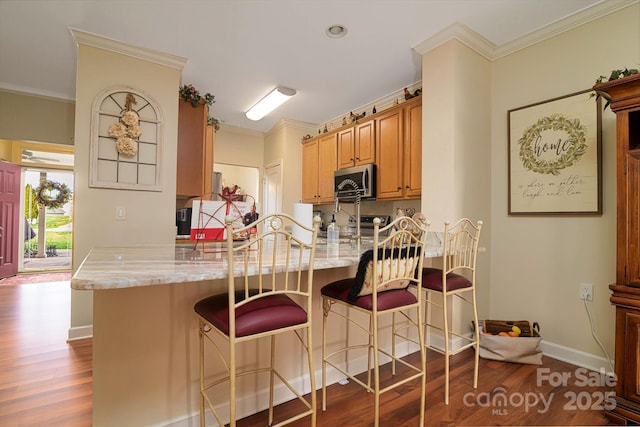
[[586, 291]]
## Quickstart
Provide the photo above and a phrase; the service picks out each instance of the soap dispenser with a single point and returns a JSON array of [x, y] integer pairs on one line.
[[332, 232]]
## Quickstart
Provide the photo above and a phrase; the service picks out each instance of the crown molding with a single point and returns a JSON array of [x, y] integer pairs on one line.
[[461, 33], [489, 50], [289, 123], [240, 131], [30, 92], [582, 17], [161, 58]]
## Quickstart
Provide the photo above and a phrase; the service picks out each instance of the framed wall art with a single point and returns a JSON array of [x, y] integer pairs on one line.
[[126, 141], [555, 157]]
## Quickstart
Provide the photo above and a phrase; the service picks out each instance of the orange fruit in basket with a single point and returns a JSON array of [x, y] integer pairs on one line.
[[512, 334], [503, 334]]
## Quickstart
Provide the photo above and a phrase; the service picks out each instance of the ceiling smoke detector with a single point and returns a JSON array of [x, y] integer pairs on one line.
[[336, 31]]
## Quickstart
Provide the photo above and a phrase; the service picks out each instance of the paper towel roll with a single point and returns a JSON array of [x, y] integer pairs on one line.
[[303, 213]]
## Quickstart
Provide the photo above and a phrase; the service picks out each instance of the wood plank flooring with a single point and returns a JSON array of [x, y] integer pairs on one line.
[[351, 405], [45, 381]]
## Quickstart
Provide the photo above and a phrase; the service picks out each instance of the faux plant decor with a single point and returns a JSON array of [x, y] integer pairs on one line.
[[617, 74], [192, 95]]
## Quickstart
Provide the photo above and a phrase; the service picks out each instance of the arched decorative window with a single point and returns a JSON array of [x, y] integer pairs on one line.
[[126, 141]]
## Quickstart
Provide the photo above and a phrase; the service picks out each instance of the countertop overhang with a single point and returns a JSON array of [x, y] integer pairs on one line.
[[127, 266]]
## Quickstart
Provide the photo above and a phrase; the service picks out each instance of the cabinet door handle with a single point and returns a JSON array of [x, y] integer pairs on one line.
[[399, 188], [407, 187]]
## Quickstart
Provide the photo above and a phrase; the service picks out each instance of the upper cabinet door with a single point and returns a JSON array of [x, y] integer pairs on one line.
[[413, 151], [346, 148], [310, 164], [191, 160], [389, 147], [365, 145], [327, 163]]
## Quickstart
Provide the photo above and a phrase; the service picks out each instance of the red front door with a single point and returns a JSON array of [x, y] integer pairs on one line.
[[9, 218]]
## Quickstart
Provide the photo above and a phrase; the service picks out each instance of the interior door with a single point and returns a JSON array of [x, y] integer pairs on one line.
[[272, 190], [9, 218]]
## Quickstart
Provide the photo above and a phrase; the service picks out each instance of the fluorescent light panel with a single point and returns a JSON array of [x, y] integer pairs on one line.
[[274, 99]]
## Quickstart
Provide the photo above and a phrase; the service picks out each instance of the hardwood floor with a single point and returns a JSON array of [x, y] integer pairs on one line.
[[548, 402], [46, 382]]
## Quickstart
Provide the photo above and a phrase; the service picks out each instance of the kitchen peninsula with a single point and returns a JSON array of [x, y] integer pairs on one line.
[[145, 362]]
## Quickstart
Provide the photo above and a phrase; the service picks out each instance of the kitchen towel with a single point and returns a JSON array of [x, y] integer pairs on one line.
[[303, 213]]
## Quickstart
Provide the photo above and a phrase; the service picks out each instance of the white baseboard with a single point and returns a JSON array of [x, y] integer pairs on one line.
[[80, 333], [575, 357]]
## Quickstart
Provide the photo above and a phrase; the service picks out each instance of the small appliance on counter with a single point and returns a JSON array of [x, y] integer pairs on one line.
[[183, 221], [323, 226], [366, 224]]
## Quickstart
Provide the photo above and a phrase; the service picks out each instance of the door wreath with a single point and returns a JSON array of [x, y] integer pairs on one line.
[[52, 194]]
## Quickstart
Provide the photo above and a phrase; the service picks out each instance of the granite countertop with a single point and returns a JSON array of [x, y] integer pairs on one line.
[[114, 267]]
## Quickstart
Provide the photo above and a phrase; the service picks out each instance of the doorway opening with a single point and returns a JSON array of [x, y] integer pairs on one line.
[[48, 231]]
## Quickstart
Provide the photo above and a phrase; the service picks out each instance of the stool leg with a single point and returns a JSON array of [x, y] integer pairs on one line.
[[312, 378], [376, 370], [445, 321], [477, 332], [325, 312], [232, 382], [201, 363], [272, 377]]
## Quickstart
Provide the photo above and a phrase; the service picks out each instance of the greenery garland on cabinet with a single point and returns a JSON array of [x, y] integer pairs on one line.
[[190, 94]]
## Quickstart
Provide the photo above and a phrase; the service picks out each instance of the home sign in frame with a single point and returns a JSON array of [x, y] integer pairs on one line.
[[555, 156]]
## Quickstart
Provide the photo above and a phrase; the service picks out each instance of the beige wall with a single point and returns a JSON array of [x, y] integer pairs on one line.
[[456, 154], [538, 263], [237, 146], [241, 147], [36, 118], [150, 215], [283, 145]]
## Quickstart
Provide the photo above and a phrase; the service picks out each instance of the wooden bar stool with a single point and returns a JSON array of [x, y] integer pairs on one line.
[[269, 293]]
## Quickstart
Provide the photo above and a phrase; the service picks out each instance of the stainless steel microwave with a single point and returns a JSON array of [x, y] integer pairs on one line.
[[358, 179]]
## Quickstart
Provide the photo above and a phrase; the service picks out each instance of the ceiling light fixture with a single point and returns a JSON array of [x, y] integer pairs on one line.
[[336, 31], [274, 99]]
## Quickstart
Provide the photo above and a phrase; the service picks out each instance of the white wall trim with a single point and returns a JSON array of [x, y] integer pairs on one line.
[[575, 357], [80, 332], [461, 33], [492, 52], [157, 57]]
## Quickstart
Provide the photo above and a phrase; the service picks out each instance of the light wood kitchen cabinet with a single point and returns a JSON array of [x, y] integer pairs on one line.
[[356, 145], [624, 97], [412, 164], [194, 172], [319, 161], [398, 151]]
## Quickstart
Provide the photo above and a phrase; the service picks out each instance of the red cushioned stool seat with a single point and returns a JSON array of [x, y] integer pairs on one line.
[[265, 314], [393, 298], [432, 279]]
